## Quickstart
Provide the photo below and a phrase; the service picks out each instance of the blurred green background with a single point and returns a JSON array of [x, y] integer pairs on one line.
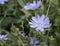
[[14, 20]]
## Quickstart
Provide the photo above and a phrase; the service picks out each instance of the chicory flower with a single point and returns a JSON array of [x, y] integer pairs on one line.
[[39, 23], [32, 6], [33, 41], [3, 37], [3, 1]]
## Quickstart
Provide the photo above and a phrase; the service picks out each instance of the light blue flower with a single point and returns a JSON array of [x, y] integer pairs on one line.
[[36, 42], [39, 23], [32, 6], [33, 41], [3, 1], [3, 37]]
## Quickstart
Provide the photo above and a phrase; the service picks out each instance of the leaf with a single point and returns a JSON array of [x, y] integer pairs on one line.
[[9, 20], [21, 2]]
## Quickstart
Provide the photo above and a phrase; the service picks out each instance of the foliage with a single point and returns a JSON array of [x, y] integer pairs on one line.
[[14, 21]]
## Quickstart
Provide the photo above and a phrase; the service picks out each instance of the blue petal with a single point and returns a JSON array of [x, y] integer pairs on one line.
[[40, 29], [46, 21], [42, 17], [34, 19], [32, 6]]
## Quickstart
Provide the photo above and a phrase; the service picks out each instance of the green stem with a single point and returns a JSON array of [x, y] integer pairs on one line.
[[21, 42], [48, 8], [2, 19], [47, 15]]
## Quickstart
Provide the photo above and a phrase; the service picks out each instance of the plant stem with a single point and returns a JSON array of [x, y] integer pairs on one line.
[[46, 16], [48, 8]]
